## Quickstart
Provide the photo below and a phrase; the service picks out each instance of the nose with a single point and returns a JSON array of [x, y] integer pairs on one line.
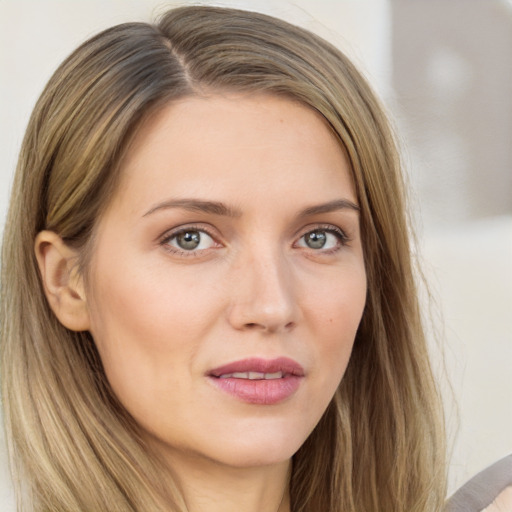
[[263, 295]]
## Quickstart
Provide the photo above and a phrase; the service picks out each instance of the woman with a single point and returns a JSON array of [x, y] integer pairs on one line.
[[217, 307]]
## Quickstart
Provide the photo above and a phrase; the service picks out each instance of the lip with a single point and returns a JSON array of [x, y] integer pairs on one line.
[[260, 391]]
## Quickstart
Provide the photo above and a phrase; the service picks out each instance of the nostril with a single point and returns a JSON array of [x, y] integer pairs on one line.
[[267, 328]]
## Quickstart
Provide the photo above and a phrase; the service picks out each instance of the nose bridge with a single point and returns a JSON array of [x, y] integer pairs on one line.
[[264, 295]]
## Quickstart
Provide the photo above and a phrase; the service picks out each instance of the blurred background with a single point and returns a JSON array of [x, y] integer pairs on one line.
[[444, 71]]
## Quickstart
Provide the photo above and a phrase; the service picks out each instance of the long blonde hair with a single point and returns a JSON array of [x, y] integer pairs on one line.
[[379, 446]]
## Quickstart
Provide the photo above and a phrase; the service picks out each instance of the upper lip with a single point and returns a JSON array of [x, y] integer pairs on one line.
[[255, 364]]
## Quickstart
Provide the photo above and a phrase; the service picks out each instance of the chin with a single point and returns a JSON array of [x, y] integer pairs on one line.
[[240, 448], [258, 447]]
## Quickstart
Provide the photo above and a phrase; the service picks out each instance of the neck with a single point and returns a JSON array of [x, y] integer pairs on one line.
[[208, 486]]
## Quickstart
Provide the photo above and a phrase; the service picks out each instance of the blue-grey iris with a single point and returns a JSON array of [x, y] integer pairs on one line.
[[316, 239], [188, 240]]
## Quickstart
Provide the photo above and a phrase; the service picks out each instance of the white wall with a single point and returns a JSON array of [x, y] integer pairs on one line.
[[470, 266]]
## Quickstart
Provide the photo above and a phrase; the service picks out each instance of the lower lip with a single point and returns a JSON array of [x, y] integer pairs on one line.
[[260, 392]]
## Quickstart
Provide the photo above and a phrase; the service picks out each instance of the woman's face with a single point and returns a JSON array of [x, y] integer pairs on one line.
[[227, 279]]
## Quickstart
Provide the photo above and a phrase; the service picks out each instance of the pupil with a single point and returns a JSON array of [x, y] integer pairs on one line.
[[189, 240], [316, 239]]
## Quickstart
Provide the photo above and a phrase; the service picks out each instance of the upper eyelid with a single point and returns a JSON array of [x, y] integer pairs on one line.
[[322, 227], [171, 233]]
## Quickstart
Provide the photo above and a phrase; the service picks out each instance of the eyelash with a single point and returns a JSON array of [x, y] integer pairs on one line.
[[342, 237], [167, 237]]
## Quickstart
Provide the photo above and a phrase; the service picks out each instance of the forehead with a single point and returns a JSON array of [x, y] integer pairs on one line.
[[237, 145]]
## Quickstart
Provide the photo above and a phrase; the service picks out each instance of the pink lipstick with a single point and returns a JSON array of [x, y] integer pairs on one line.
[[259, 381]]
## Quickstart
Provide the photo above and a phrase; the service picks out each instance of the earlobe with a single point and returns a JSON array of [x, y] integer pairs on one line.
[[62, 283]]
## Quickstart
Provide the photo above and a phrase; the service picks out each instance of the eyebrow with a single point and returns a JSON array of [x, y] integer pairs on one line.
[[331, 206], [218, 208], [196, 205]]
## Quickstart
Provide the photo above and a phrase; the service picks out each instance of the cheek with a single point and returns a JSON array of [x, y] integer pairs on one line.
[[147, 327], [144, 349], [338, 304], [335, 313], [148, 305]]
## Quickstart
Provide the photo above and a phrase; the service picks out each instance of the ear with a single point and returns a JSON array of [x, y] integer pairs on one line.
[[62, 283]]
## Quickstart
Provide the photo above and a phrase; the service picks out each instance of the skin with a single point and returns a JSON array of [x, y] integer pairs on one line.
[[163, 316], [502, 503]]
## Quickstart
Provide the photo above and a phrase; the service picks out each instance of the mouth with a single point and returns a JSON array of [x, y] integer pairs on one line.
[[252, 375], [259, 381], [257, 369]]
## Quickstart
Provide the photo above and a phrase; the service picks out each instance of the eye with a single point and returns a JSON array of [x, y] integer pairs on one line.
[[190, 240], [322, 239]]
